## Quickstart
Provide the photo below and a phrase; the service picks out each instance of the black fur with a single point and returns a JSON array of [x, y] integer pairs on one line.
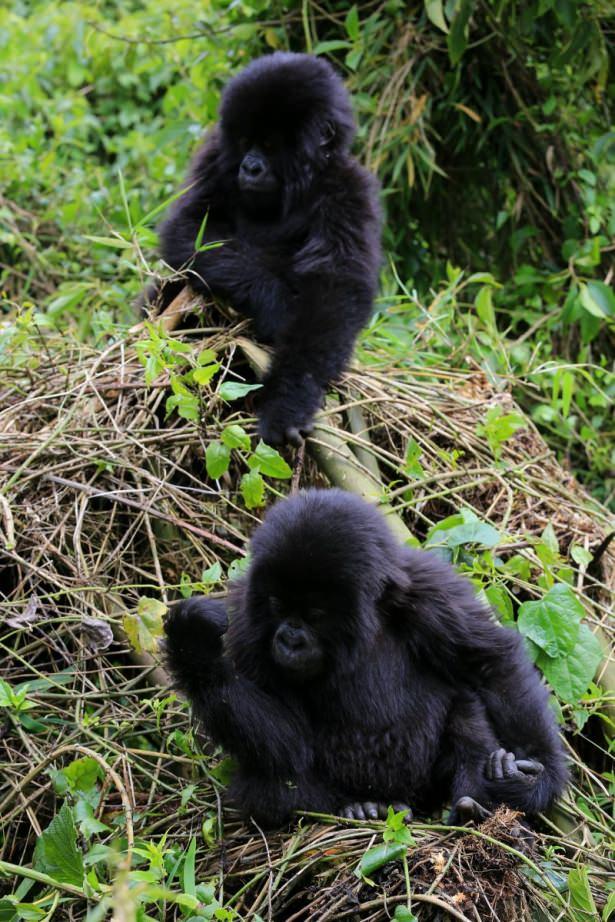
[[301, 253], [412, 693]]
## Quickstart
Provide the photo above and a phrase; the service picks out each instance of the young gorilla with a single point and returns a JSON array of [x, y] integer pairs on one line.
[[299, 223], [355, 672]]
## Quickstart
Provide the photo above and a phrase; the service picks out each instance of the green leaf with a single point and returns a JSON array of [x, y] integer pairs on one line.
[[352, 23], [569, 676], [115, 242], [235, 436], [217, 458], [435, 14], [187, 406], [484, 306], [238, 567], [375, 858], [205, 373], [88, 824], [396, 829], [206, 357], [56, 851], [609, 909], [403, 914], [580, 555], [212, 575], [457, 38], [252, 488], [581, 897], [188, 873], [144, 627], [82, 774], [598, 299], [270, 462], [462, 528], [233, 390], [552, 622], [333, 45]]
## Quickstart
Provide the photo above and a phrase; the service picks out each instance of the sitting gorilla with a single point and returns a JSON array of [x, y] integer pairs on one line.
[[355, 672], [297, 224]]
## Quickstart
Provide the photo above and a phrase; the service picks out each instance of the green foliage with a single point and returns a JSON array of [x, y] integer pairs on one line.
[[565, 650], [143, 627], [56, 851]]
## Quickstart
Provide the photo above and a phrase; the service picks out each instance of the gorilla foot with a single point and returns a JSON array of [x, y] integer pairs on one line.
[[467, 810], [504, 765], [374, 810]]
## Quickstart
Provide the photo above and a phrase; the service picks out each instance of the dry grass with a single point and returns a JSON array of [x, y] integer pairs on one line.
[[104, 501]]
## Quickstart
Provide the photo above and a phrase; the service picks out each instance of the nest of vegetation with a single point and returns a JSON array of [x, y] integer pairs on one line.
[[104, 499]]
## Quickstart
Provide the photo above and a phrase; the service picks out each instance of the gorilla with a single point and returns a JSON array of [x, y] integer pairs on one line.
[[346, 672], [280, 220]]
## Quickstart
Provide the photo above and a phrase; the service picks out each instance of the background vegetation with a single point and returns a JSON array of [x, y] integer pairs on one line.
[[489, 125]]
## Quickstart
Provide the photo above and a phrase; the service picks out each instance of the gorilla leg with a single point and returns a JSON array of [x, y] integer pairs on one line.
[[271, 801], [484, 774]]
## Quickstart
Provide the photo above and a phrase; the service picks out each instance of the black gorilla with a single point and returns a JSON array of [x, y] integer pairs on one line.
[[299, 226], [355, 673]]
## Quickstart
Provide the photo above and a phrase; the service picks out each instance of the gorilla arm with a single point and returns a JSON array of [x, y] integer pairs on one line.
[[223, 265], [260, 730], [335, 278]]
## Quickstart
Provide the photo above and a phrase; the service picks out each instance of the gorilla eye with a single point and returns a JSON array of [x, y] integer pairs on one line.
[[327, 135], [275, 605]]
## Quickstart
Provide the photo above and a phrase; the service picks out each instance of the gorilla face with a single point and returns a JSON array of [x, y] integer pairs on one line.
[[259, 175], [282, 119], [295, 648]]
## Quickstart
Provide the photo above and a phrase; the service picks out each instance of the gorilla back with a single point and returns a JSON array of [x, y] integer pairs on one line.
[[297, 227], [355, 672]]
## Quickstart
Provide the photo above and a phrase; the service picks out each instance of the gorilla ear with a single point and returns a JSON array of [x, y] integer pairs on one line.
[[327, 135], [394, 597]]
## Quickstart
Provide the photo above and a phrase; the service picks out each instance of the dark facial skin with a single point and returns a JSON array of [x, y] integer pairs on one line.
[[295, 646], [258, 184]]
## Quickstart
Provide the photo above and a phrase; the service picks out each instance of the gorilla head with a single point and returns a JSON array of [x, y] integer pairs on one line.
[[321, 561], [281, 119]]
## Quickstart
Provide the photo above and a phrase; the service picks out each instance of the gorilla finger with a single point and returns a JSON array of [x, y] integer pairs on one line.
[[530, 766], [383, 811], [357, 809], [497, 756], [347, 813], [371, 810], [294, 437], [509, 765], [403, 808]]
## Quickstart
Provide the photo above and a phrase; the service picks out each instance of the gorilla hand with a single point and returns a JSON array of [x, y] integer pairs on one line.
[[504, 766], [194, 630]]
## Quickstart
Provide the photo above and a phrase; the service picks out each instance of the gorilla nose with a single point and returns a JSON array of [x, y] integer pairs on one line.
[[292, 638], [253, 167]]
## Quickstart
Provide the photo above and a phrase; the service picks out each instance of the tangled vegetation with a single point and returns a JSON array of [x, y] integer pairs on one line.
[[478, 412]]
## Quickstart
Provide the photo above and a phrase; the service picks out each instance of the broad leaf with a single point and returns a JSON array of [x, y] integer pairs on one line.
[[217, 457], [552, 622], [252, 488], [56, 851], [144, 627], [269, 462], [570, 675], [233, 390], [235, 436]]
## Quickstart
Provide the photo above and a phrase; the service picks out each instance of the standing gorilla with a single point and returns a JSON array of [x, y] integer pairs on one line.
[[356, 672], [299, 226]]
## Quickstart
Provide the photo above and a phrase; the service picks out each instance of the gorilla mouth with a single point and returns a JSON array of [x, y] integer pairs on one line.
[[257, 185], [299, 664]]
